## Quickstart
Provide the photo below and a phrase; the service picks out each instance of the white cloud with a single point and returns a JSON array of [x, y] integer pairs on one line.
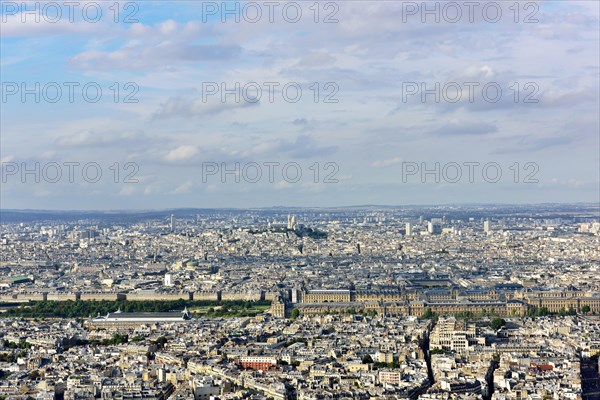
[[7, 159], [127, 190], [387, 163], [184, 188], [181, 153]]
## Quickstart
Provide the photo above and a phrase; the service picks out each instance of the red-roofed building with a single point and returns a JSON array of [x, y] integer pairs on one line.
[[262, 363]]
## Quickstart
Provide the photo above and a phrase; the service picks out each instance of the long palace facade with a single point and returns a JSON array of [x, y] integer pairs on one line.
[[437, 298]]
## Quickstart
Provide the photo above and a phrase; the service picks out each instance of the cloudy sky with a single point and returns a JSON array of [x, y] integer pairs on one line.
[[252, 104]]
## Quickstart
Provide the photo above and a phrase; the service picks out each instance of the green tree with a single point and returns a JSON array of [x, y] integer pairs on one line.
[[498, 323], [585, 309], [161, 341], [295, 313], [367, 359], [562, 312], [34, 375], [428, 313]]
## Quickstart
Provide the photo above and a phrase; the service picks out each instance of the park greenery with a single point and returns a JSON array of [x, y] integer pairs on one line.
[[12, 345], [543, 312], [390, 365], [85, 309], [532, 312], [12, 357]]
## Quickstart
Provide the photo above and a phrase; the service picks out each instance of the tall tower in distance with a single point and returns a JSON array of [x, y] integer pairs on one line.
[[408, 229], [172, 223], [433, 228], [486, 227], [291, 223], [168, 281]]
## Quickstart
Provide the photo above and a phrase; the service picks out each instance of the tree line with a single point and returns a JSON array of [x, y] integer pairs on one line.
[[85, 309]]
